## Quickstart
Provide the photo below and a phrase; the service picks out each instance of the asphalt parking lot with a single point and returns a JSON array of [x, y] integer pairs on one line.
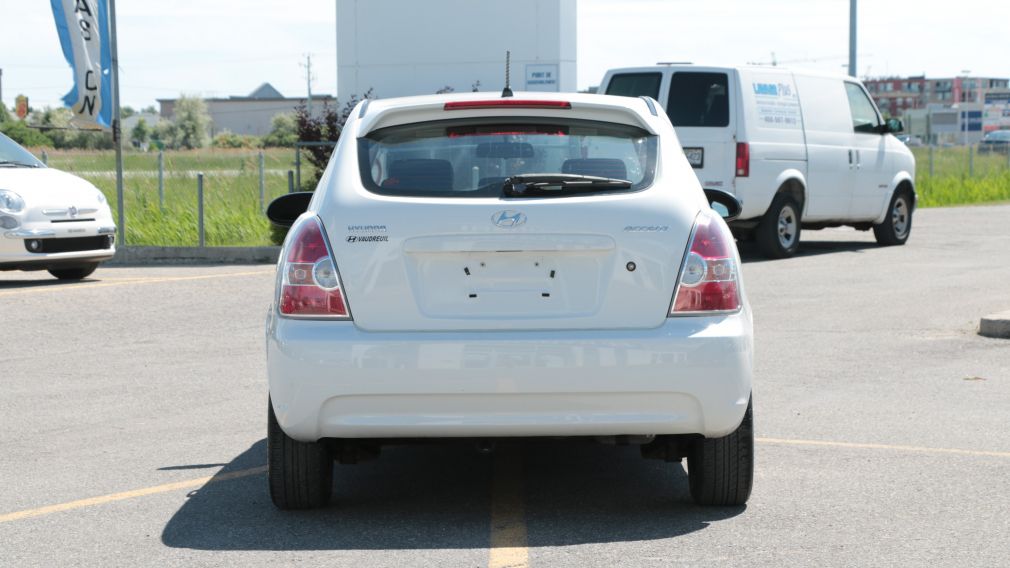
[[133, 417]]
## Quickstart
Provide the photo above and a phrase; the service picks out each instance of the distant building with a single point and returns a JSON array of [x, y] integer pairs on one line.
[[403, 48], [895, 95], [250, 114]]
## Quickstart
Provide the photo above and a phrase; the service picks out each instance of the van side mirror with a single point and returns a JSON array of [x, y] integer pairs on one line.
[[895, 126], [285, 209], [724, 203]]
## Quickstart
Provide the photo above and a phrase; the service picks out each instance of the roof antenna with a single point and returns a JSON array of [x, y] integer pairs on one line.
[[507, 91]]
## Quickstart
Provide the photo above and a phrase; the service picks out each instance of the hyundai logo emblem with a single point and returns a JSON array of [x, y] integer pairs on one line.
[[508, 219], [72, 211]]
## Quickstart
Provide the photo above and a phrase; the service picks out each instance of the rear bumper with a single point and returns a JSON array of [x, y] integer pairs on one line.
[[331, 380]]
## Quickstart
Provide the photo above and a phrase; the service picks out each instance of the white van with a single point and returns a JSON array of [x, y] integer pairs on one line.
[[799, 150]]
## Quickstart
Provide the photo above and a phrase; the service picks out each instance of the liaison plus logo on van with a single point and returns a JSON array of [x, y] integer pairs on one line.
[[773, 89]]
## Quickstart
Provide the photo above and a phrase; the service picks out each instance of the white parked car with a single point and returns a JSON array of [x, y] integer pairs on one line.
[[50, 220], [798, 149], [480, 267]]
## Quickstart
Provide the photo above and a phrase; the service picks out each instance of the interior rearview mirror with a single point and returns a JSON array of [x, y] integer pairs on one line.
[[725, 204], [285, 209]]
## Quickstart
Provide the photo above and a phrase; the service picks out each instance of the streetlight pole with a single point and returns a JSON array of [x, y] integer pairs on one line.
[[852, 38]]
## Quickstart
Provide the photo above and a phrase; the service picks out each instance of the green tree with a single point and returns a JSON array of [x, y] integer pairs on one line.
[[228, 139], [5, 115], [165, 134], [192, 122], [19, 132], [141, 132], [283, 131]]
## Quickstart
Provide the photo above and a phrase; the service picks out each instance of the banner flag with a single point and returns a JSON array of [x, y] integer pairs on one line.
[[83, 27]]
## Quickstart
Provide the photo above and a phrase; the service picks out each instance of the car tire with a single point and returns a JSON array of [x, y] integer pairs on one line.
[[300, 473], [778, 233], [720, 471], [74, 273], [897, 225]]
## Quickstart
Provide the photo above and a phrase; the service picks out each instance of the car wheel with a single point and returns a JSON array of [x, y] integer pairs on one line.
[[300, 473], [897, 223], [778, 233], [720, 471], [74, 273]]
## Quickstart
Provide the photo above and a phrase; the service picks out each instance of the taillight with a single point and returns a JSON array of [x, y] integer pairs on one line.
[[742, 159], [709, 279], [310, 284], [506, 103]]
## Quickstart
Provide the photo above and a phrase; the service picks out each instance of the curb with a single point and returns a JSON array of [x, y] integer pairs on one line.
[[146, 256], [995, 325]]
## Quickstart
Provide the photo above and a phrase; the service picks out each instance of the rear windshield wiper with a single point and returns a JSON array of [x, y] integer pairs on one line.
[[558, 184]]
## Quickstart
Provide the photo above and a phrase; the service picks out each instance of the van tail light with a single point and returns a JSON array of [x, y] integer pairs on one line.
[[710, 279], [742, 159], [310, 285]]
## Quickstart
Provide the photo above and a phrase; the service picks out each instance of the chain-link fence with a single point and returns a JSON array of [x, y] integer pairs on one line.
[[960, 175], [161, 193]]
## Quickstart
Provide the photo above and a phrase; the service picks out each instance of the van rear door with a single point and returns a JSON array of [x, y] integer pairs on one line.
[[700, 104]]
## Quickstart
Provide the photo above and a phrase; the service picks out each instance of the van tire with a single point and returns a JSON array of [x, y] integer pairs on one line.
[[897, 225], [300, 473], [778, 233], [720, 471]]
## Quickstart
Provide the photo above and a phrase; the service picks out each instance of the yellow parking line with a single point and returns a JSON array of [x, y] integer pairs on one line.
[[919, 449], [69, 506], [127, 282], [508, 524], [508, 515]]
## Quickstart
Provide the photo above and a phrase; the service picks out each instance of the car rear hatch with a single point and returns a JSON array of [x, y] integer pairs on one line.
[[432, 240]]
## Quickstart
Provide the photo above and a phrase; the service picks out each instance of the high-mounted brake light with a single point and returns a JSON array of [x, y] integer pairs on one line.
[[709, 279], [310, 284], [506, 103], [742, 159]]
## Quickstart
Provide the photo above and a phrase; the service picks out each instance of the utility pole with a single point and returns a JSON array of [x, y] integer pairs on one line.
[[852, 38], [308, 80], [1, 86]]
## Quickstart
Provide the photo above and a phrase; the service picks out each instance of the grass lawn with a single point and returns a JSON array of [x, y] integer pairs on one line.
[[231, 189], [231, 192], [960, 178]]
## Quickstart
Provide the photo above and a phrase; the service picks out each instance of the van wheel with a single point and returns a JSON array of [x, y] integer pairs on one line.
[[897, 224], [75, 273], [720, 471], [300, 473], [778, 233]]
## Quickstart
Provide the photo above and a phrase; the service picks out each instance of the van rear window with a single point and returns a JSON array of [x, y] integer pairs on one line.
[[635, 85], [699, 99]]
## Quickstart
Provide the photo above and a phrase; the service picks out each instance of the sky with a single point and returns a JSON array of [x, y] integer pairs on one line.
[[229, 47]]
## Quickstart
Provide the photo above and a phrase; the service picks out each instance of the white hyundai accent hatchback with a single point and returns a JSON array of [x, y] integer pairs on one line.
[[484, 267]]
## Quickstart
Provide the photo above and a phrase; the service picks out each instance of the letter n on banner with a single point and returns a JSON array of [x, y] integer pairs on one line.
[[83, 27]]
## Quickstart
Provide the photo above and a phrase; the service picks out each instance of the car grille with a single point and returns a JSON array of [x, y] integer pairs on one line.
[[74, 244]]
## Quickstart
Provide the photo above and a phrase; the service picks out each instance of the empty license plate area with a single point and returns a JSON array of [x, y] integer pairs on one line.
[[509, 285]]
